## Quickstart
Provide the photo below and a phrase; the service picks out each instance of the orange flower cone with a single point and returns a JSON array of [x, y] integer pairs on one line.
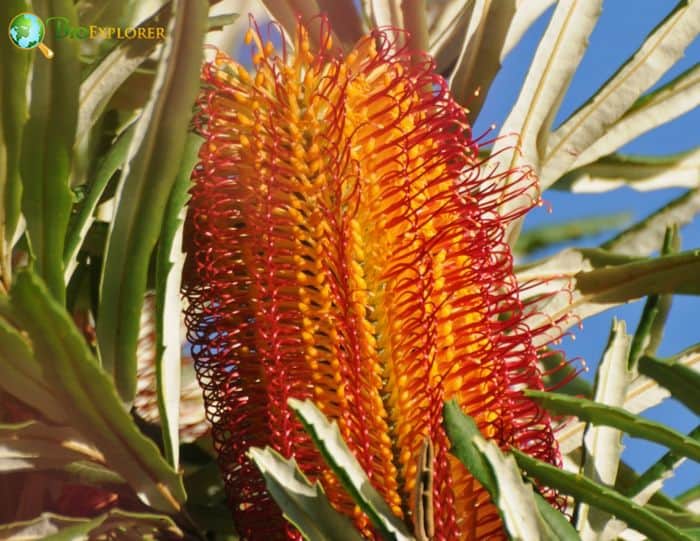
[[345, 246]]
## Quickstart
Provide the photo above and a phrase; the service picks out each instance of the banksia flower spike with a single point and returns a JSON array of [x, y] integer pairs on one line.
[[345, 246]]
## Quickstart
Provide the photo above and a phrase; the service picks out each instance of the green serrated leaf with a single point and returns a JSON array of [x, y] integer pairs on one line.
[[634, 425], [659, 471], [14, 70], [690, 497], [650, 329], [500, 476], [627, 476], [169, 263], [47, 148], [683, 382], [645, 393], [88, 396], [153, 161], [303, 504], [340, 459], [461, 430], [604, 498]]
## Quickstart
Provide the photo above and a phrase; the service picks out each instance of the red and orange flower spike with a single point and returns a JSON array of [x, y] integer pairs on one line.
[[345, 246]]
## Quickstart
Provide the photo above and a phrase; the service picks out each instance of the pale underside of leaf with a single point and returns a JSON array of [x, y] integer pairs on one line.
[[329, 441], [664, 46], [602, 444], [526, 13], [640, 173], [665, 104], [516, 500], [558, 55], [304, 504]]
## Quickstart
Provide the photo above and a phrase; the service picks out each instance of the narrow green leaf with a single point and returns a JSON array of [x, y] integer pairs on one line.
[[627, 476], [47, 148], [104, 81], [649, 331], [643, 173], [664, 104], [516, 501], [169, 262], [303, 504], [38, 528], [89, 397], [662, 469], [690, 497], [683, 382], [538, 238], [662, 48], [621, 283], [147, 180], [85, 216], [645, 393], [604, 498], [462, 430], [680, 519], [328, 440], [14, 70], [634, 425]]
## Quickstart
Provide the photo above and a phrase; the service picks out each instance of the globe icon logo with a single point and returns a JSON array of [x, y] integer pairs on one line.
[[27, 31]]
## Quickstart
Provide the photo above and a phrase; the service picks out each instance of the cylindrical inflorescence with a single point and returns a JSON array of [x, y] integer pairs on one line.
[[344, 245]]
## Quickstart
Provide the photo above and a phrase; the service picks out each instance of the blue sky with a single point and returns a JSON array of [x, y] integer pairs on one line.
[[620, 30]]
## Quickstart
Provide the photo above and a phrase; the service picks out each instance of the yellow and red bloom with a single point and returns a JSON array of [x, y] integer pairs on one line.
[[345, 246]]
